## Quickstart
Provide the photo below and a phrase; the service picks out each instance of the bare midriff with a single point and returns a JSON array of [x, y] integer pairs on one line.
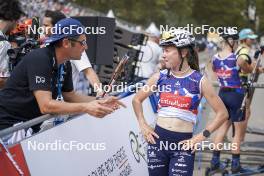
[[175, 124]]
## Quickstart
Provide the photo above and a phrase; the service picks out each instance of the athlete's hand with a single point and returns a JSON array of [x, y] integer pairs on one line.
[[192, 144], [148, 133]]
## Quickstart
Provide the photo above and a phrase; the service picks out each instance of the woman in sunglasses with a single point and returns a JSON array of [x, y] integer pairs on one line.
[[180, 88]]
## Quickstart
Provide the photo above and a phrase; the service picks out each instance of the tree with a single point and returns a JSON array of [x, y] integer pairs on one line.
[[180, 12]]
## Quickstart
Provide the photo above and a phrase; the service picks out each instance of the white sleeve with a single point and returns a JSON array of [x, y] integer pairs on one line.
[[83, 63]]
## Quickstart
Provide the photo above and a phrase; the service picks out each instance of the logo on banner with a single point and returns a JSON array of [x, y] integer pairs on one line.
[[118, 162], [138, 146]]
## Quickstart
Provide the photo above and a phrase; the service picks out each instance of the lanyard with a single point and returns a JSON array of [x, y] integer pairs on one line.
[[59, 82], [59, 119]]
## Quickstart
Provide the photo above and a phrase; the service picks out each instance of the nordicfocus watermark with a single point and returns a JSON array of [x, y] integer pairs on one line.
[[59, 145], [165, 145], [203, 29], [58, 29], [124, 86]]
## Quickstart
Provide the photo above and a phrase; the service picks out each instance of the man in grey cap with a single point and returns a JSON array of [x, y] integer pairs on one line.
[[44, 75]]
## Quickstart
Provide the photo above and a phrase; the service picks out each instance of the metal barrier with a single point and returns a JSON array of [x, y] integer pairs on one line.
[[25, 125]]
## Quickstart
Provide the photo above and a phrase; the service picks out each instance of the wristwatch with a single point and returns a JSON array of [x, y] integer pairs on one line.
[[206, 133]]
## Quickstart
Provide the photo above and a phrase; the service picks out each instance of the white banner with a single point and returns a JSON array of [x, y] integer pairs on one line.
[[88, 146]]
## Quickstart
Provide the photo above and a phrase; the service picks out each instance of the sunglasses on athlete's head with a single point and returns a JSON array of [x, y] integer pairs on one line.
[[166, 35]]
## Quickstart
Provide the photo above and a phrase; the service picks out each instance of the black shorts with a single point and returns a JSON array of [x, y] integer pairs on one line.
[[166, 158], [233, 98]]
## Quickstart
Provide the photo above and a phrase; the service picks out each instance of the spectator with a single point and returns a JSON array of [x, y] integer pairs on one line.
[[8, 20], [151, 53], [247, 39]]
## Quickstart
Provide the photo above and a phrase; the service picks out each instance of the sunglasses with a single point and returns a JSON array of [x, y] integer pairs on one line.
[[83, 42], [166, 35]]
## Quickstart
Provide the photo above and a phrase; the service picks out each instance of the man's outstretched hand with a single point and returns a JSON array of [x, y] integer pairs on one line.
[[112, 102], [103, 107]]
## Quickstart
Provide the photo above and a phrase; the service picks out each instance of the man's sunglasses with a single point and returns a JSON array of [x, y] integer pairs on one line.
[[83, 42]]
